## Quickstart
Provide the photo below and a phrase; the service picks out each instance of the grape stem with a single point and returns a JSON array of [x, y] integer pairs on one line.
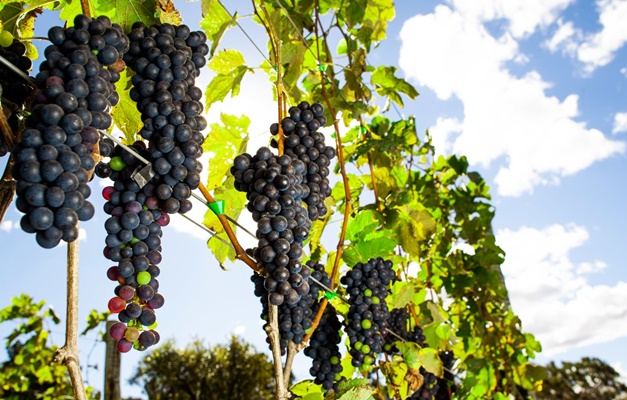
[[7, 189], [6, 130], [68, 354], [275, 343], [15, 69], [239, 250], [347, 192], [85, 8]]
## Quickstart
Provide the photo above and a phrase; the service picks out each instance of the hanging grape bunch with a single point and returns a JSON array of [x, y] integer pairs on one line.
[[273, 187], [324, 350], [54, 156], [133, 242], [295, 319], [15, 89], [367, 319], [167, 60], [303, 141]]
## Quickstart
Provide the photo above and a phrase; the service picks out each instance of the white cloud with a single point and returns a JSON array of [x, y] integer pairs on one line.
[[82, 234], [8, 225], [598, 49], [523, 16], [620, 123], [551, 293], [618, 367], [624, 71], [504, 116], [564, 38], [239, 330]]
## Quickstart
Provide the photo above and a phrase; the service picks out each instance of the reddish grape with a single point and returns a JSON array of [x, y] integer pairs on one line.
[[116, 304], [124, 346], [117, 330]]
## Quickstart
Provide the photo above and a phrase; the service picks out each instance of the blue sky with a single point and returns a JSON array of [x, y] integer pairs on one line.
[[532, 91]]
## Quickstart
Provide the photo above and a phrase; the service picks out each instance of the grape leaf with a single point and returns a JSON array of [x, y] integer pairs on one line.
[[125, 114], [401, 293], [226, 61], [221, 85], [358, 393], [411, 353], [358, 226], [127, 12], [225, 141], [215, 22], [167, 13], [430, 360], [307, 388]]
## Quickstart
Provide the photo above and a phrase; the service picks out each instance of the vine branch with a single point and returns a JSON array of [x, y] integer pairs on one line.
[[68, 354], [239, 250]]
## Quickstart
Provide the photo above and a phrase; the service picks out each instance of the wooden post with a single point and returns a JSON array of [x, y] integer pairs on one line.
[[112, 367]]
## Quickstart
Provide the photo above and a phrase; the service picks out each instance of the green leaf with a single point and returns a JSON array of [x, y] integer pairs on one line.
[[225, 141], [125, 114], [221, 85], [306, 387], [215, 22], [364, 222], [388, 84], [355, 389], [401, 294], [430, 360], [226, 61], [127, 12], [411, 353]]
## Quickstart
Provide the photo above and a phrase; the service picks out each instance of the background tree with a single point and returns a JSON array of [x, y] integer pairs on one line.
[[30, 372], [235, 371], [588, 379]]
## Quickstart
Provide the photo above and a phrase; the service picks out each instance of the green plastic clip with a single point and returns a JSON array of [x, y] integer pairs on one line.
[[322, 68], [333, 135], [363, 130], [275, 67], [330, 295], [217, 207]]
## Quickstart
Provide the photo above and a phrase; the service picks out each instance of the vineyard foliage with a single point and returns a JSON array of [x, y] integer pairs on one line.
[[397, 199]]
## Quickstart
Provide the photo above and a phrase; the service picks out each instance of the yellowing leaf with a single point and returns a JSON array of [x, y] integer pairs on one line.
[[225, 141], [226, 61], [215, 22], [167, 13], [125, 114]]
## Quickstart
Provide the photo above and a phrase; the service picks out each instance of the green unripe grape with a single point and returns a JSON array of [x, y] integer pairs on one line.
[[357, 346], [134, 240], [365, 349], [117, 164], [368, 293], [337, 377], [143, 278], [368, 360], [153, 326], [6, 38], [334, 360], [131, 334], [366, 324], [375, 300]]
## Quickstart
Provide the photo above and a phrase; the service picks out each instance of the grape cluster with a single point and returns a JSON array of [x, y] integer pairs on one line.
[[302, 141], [133, 242], [429, 386], [15, 89], [273, 187], [446, 384], [324, 350], [54, 155], [366, 286], [398, 322], [295, 319], [167, 60]]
